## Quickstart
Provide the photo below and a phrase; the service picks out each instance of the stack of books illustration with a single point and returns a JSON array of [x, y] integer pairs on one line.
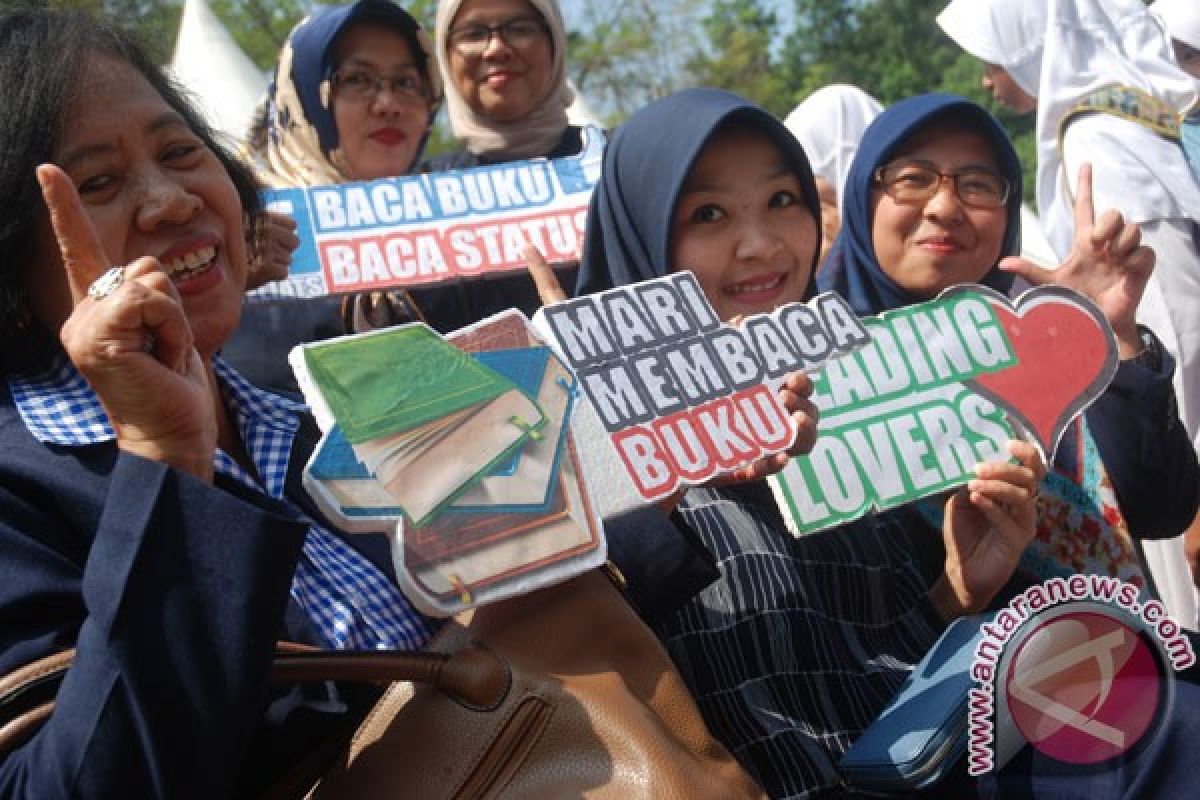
[[467, 455]]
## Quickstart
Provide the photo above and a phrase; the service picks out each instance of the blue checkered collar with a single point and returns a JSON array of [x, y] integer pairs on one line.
[[59, 407]]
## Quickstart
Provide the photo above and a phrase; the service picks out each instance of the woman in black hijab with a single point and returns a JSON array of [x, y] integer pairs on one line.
[[800, 643]]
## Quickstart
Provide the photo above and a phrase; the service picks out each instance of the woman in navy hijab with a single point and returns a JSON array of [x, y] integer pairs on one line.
[[799, 643], [906, 236], [629, 223], [854, 271], [909, 233]]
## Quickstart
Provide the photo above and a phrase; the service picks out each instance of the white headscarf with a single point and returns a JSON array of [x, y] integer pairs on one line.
[[536, 134], [829, 125], [1059, 51], [1182, 18]]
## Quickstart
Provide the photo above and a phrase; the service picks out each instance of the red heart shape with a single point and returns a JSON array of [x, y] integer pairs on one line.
[[1066, 356]]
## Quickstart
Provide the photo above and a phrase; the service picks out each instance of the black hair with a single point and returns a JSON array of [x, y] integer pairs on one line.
[[42, 55]]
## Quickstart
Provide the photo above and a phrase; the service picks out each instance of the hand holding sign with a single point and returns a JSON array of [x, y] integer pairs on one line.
[[134, 344], [1108, 264], [273, 240], [987, 525], [795, 396]]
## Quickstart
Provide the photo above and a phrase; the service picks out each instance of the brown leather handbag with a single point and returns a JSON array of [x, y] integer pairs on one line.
[[563, 692]]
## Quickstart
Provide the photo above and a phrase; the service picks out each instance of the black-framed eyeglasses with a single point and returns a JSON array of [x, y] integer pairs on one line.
[[359, 84], [518, 32], [915, 182]]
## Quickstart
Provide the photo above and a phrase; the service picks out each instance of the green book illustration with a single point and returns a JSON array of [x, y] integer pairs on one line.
[[397, 380], [424, 417]]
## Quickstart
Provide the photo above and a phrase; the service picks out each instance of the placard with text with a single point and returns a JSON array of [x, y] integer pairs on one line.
[[437, 227], [941, 387], [683, 396]]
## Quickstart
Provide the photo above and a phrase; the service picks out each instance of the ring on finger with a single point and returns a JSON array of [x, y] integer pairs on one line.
[[107, 283]]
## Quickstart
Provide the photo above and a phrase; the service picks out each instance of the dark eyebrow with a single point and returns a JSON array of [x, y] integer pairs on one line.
[[167, 119], [692, 188], [903, 160], [359, 61]]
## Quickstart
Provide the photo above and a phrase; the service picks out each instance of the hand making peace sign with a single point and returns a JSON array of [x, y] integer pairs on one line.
[[1108, 263]]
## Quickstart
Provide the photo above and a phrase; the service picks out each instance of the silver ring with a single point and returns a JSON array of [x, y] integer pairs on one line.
[[107, 283]]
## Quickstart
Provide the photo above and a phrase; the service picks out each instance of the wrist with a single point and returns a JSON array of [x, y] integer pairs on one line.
[[1129, 342], [1150, 352], [945, 600]]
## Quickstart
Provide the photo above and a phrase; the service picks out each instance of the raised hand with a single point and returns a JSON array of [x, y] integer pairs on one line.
[[133, 345], [794, 394], [1108, 263], [274, 242], [986, 526], [549, 290]]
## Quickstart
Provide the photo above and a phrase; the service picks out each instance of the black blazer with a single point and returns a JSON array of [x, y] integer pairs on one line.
[[174, 593]]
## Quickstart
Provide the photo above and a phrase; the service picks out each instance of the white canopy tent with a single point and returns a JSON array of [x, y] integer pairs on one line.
[[224, 82]]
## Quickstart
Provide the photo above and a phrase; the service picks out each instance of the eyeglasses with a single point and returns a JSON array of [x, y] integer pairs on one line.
[[518, 32], [916, 183], [365, 85]]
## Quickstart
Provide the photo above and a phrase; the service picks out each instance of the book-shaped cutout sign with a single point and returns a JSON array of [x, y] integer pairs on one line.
[[425, 418], [439, 227], [509, 533], [942, 386], [527, 521], [347, 490], [683, 396]]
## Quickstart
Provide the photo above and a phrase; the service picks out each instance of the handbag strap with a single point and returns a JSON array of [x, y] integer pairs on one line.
[[473, 676]]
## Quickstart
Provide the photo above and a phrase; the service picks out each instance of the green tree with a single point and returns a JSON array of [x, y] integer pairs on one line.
[[154, 22], [628, 52], [740, 34], [260, 27], [892, 49]]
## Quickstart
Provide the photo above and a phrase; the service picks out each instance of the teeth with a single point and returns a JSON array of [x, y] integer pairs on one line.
[[743, 288], [192, 262]]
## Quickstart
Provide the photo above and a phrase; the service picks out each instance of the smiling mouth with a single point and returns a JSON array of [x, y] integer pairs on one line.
[[191, 264], [761, 285], [941, 245], [389, 137], [500, 77]]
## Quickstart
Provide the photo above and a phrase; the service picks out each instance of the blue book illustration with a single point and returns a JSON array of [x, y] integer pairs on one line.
[[530, 489], [524, 367]]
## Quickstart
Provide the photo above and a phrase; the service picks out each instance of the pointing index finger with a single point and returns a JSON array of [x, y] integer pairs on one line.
[[1085, 208], [549, 289], [82, 254]]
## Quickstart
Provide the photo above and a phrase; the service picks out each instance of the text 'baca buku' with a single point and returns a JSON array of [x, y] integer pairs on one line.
[[438, 227]]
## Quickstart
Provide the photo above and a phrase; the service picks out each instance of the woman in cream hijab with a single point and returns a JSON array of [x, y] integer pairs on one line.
[[503, 63], [504, 66], [1049, 55]]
